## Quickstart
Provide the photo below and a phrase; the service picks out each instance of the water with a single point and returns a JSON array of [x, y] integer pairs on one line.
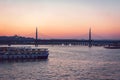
[[67, 63]]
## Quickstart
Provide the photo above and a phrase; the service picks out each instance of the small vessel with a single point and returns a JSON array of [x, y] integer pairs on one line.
[[113, 46], [27, 52]]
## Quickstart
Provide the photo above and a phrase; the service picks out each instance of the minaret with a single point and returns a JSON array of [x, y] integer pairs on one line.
[[90, 45], [36, 40]]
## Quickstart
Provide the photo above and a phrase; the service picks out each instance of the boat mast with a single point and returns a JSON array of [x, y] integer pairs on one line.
[[36, 40]]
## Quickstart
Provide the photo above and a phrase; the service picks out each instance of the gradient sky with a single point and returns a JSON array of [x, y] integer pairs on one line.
[[61, 18]]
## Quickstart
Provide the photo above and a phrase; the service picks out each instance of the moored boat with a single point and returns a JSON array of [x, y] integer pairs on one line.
[[14, 53]]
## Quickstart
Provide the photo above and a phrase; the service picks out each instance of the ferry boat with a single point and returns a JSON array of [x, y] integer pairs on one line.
[[14, 53], [27, 52]]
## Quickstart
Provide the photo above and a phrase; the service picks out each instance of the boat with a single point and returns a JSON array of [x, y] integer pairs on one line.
[[26, 52], [112, 47], [14, 53]]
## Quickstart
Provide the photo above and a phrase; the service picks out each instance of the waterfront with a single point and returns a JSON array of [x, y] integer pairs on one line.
[[66, 63]]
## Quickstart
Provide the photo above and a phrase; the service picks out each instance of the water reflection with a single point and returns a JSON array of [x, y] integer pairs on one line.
[[23, 60], [66, 63]]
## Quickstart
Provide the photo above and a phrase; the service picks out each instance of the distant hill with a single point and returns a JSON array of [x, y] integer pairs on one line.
[[15, 39]]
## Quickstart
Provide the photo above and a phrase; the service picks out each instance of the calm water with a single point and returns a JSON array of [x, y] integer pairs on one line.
[[67, 63]]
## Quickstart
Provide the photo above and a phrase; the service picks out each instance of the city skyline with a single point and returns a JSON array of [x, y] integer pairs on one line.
[[60, 18]]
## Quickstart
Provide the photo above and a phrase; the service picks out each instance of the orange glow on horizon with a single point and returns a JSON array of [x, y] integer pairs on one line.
[[59, 19]]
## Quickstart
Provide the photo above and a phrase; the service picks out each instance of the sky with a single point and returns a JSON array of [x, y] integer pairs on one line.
[[67, 19]]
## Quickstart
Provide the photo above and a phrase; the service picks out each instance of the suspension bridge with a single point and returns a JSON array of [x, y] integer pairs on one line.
[[88, 40]]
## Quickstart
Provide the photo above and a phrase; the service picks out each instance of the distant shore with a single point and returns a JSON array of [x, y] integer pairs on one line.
[[8, 40]]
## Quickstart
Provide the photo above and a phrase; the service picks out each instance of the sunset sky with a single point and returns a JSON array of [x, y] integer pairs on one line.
[[69, 19]]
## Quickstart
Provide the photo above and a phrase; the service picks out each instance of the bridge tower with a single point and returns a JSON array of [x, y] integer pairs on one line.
[[36, 40], [90, 40]]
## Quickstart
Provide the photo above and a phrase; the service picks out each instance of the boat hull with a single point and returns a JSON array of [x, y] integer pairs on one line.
[[112, 47], [22, 57]]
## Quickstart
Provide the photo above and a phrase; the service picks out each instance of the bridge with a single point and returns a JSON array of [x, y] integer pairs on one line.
[[31, 41]]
